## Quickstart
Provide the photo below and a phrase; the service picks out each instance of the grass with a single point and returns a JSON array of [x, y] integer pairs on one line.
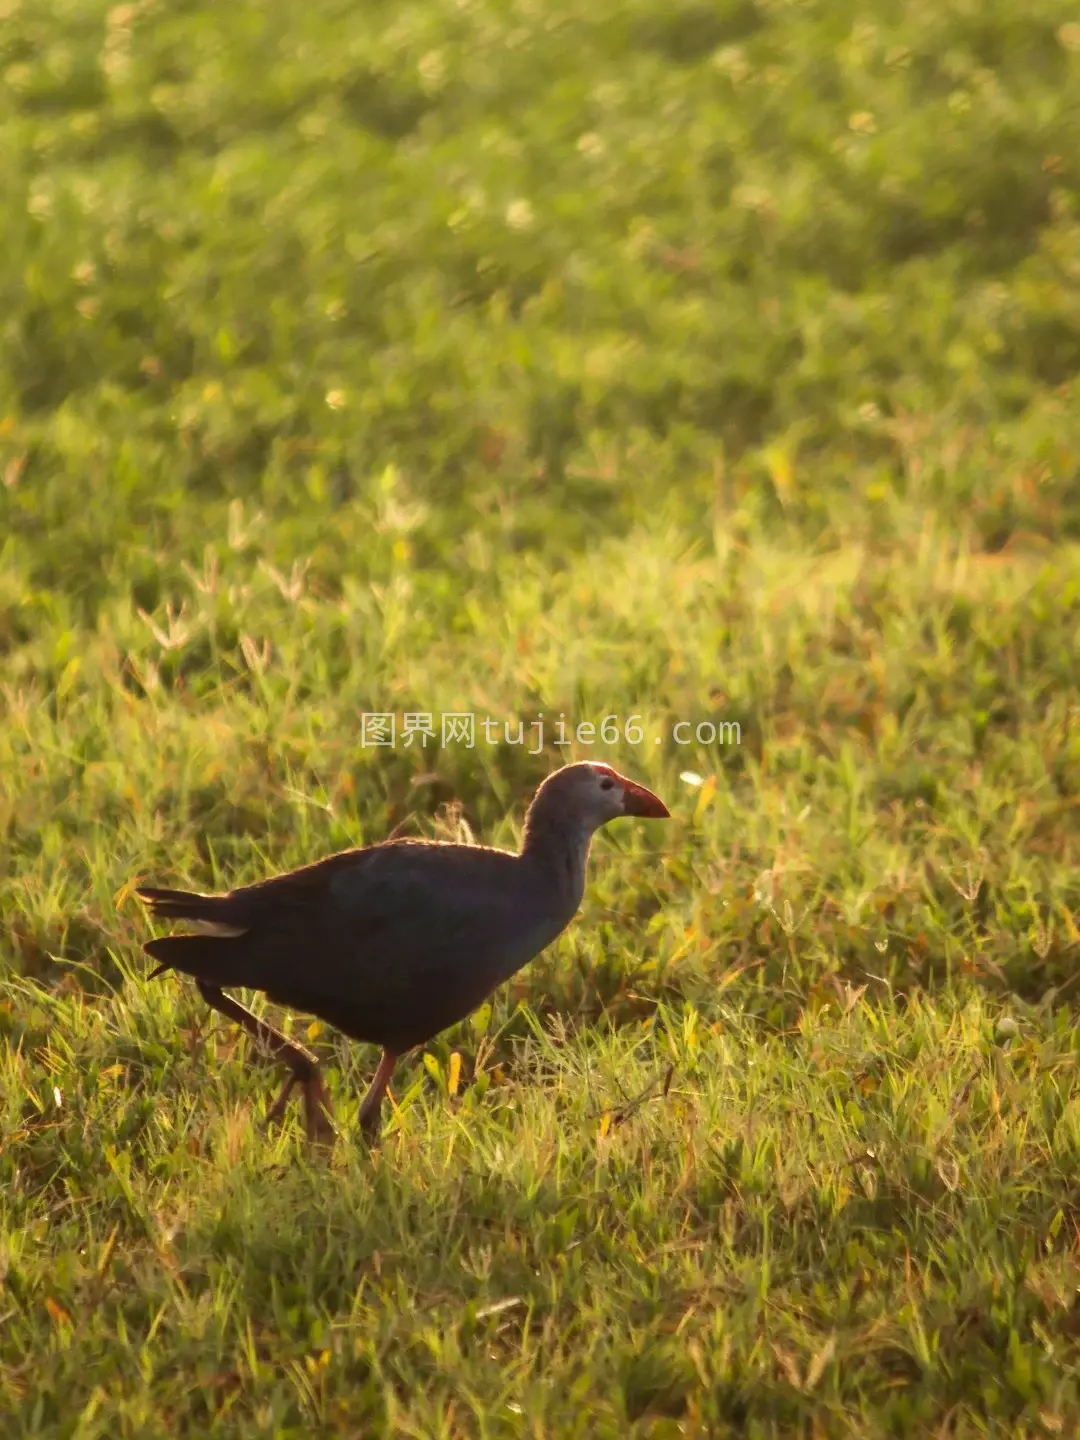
[[686, 362]]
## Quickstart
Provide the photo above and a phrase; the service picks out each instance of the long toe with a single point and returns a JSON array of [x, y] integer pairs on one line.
[[277, 1110], [317, 1111], [371, 1123]]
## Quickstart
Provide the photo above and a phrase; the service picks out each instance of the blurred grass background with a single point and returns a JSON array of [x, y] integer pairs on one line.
[[696, 362]]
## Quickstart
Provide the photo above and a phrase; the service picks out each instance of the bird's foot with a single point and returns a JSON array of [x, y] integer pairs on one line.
[[318, 1109], [318, 1106], [371, 1109], [277, 1110], [371, 1121]]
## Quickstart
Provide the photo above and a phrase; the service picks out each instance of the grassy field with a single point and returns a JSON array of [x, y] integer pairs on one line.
[[707, 362]]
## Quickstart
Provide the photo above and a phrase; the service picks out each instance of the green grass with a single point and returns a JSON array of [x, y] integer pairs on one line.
[[694, 362]]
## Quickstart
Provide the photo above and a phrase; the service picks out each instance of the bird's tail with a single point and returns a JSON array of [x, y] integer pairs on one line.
[[213, 917], [185, 904]]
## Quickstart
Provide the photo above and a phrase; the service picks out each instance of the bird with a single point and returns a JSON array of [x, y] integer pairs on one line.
[[394, 942]]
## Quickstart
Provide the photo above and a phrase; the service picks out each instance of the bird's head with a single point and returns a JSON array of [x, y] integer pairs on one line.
[[589, 794]]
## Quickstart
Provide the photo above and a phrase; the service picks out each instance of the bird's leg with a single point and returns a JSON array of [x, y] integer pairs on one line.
[[372, 1104], [302, 1063]]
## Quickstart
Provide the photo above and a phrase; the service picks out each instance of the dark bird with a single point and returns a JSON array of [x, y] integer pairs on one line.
[[394, 942]]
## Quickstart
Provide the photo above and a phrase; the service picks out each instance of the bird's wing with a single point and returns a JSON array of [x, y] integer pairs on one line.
[[401, 942], [372, 921]]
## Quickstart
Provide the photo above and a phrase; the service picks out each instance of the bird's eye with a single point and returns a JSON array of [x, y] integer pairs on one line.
[[607, 784]]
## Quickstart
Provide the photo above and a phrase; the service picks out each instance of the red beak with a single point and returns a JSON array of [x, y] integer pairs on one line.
[[639, 801]]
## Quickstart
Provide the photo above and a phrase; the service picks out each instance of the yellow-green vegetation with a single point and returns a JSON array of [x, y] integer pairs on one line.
[[689, 361]]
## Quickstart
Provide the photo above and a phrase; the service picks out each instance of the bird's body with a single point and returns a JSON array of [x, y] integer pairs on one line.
[[394, 942], [390, 944]]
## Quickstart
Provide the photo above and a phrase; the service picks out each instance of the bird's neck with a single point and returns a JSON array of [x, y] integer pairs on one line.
[[558, 848]]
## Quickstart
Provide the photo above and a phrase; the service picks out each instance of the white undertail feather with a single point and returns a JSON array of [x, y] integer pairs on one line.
[[218, 929]]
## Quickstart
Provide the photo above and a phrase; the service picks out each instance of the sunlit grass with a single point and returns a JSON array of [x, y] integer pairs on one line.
[[707, 364]]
